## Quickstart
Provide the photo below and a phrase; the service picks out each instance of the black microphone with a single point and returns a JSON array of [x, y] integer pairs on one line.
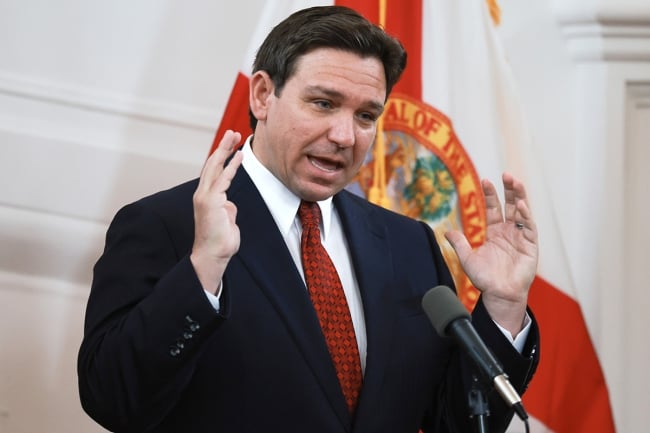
[[451, 319]]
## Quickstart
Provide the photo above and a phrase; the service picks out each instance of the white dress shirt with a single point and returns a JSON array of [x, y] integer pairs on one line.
[[283, 205]]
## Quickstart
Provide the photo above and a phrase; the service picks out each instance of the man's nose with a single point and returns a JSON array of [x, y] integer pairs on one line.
[[342, 130]]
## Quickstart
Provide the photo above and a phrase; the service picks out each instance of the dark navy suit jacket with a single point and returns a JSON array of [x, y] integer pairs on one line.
[[157, 357]]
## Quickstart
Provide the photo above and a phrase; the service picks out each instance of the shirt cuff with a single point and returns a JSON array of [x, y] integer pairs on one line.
[[520, 340], [215, 300]]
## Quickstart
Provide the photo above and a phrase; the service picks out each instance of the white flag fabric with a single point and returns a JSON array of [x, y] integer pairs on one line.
[[452, 120]]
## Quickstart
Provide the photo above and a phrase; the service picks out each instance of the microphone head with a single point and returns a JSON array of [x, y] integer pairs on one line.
[[443, 307]]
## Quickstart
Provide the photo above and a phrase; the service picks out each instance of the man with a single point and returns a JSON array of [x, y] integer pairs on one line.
[[205, 314]]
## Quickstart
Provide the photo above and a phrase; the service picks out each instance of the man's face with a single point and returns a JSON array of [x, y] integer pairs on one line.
[[314, 136]]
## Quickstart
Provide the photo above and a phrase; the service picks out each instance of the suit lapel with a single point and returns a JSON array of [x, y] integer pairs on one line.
[[372, 261], [264, 254]]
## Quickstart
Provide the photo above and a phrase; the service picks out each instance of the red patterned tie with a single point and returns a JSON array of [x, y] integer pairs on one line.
[[329, 301]]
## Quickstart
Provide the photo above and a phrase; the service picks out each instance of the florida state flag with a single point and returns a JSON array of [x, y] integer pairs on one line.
[[453, 119]]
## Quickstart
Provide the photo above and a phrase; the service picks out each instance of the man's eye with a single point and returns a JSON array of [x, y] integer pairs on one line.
[[323, 104], [368, 117]]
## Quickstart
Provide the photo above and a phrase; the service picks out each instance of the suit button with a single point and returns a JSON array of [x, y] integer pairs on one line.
[[174, 351], [193, 324], [187, 335]]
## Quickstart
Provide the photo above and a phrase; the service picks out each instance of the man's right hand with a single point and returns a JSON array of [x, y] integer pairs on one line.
[[216, 235]]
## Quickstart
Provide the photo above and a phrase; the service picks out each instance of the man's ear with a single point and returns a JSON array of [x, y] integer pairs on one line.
[[261, 89]]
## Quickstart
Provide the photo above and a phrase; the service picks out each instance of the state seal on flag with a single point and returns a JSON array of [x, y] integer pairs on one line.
[[423, 171]]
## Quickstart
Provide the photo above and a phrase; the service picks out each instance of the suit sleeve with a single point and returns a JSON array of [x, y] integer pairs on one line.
[[146, 320], [451, 410], [519, 367]]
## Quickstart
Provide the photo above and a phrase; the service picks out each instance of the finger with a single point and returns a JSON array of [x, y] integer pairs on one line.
[[526, 220], [514, 191], [459, 243], [231, 211], [510, 197], [223, 182], [493, 209], [214, 164]]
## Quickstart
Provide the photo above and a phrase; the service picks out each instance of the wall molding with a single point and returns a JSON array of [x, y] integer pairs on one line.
[[10, 281], [105, 101], [84, 183], [634, 272], [47, 252], [639, 94], [605, 34]]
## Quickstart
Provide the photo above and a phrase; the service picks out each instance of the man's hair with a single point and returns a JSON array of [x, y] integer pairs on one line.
[[326, 27]]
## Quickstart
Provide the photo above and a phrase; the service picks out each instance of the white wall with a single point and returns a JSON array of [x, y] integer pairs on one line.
[[100, 104], [104, 102]]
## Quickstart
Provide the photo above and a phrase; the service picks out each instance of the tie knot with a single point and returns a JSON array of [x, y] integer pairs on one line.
[[309, 213]]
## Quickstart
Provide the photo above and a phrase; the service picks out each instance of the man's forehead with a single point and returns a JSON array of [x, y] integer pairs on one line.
[[319, 70]]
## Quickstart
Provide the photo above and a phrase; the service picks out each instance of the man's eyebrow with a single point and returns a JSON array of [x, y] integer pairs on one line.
[[335, 94], [378, 106], [328, 92]]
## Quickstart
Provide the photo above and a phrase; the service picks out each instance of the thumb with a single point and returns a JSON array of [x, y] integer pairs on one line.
[[459, 243]]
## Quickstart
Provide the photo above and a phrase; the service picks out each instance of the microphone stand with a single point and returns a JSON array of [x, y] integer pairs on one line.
[[478, 406]]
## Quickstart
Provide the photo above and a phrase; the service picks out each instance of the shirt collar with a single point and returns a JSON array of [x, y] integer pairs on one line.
[[282, 203]]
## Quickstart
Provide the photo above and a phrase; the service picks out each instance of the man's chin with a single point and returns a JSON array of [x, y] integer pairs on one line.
[[318, 192]]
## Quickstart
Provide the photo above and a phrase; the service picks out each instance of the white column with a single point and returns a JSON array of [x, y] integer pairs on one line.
[[610, 45]]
